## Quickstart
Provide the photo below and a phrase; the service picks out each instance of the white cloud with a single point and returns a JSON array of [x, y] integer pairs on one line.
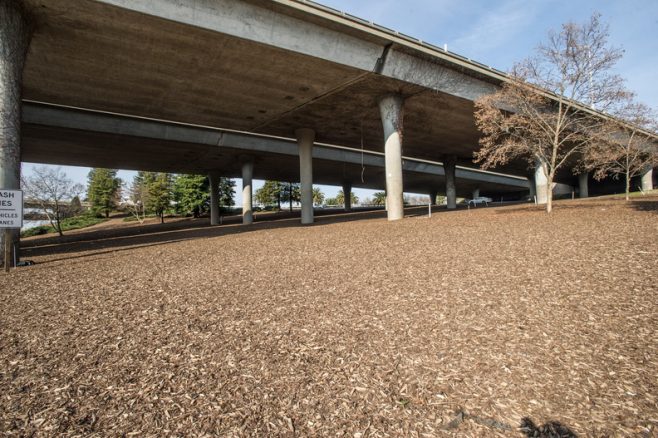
[[496, 27]]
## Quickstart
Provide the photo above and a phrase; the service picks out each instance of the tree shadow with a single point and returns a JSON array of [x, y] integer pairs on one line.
[[551, 429], [101, 241], [645, 205]]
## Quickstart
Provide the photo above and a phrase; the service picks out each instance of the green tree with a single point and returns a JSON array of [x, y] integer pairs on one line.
[[318, 196], [192, 194], [340, 198], [104, 190], [379, 198], [159, 194], [226, 194], [291, 193], [75, 206], [270, 194]]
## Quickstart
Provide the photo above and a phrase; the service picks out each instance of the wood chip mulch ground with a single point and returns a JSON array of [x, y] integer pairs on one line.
[[489, 322]]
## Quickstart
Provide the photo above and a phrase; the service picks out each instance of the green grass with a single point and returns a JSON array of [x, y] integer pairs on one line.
[[68, 224]]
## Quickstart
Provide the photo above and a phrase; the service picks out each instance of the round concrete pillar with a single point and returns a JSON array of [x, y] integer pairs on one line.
[[305, 139], [583, 189], [347, 196], [391, 110], [213, 178], [647, 179], [14, 42], [433, 195], [476, 193], [541, 183], [247, 192], [449, 165], [531, 187]]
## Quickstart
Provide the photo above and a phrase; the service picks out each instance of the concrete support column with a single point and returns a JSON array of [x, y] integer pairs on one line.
[[213, 177], [476, 193], [532, 189], [347, 195], [647, 179], [14, 42], [583, 189], [305, 139], [391, 108], [541, 183], [433, 195], [247, 191], [449, 165]]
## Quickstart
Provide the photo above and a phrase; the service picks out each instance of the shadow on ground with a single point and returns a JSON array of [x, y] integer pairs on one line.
[[101, 241], [552, 429]]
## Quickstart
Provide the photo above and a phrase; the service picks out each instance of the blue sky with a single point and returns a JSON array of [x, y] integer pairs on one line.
[[499, 33]]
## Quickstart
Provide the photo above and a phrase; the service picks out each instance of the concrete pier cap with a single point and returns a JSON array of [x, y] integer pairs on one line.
[[391, 107], [305, 139]]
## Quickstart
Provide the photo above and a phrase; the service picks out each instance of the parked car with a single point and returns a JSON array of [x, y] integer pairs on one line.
[[479, 200]]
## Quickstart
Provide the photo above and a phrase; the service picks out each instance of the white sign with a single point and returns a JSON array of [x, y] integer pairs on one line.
[[11, 208]]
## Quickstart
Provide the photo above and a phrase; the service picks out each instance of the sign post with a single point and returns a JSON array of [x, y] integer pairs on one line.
[[11, 216]]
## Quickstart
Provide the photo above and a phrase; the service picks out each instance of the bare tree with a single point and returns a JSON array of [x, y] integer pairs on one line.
[[538, 114], [628, 146], [50, 187]]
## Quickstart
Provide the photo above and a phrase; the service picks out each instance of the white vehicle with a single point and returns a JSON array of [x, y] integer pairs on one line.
[[479, 200]]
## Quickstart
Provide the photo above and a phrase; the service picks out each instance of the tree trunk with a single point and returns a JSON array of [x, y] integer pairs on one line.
[[162, 218], [628, 185], [107, 214]]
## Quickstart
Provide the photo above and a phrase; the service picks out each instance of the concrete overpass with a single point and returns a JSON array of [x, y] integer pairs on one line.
[[62, 135], [290, 69]]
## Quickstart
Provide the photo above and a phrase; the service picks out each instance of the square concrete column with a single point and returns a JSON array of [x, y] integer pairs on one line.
[[391, 110], [305, 139], [583, 189], [14, 42], [213, 178], [541, 182], [347, 195], [247, 191], [647, 179], [449, 165]]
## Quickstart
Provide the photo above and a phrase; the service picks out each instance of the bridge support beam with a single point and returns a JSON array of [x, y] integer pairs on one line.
[[213, 178], [347, 195], [476, 193], [391, 108], [247, 191], [305, 139], [449, 165], [647, 179], [14, 42], [583, 188]]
